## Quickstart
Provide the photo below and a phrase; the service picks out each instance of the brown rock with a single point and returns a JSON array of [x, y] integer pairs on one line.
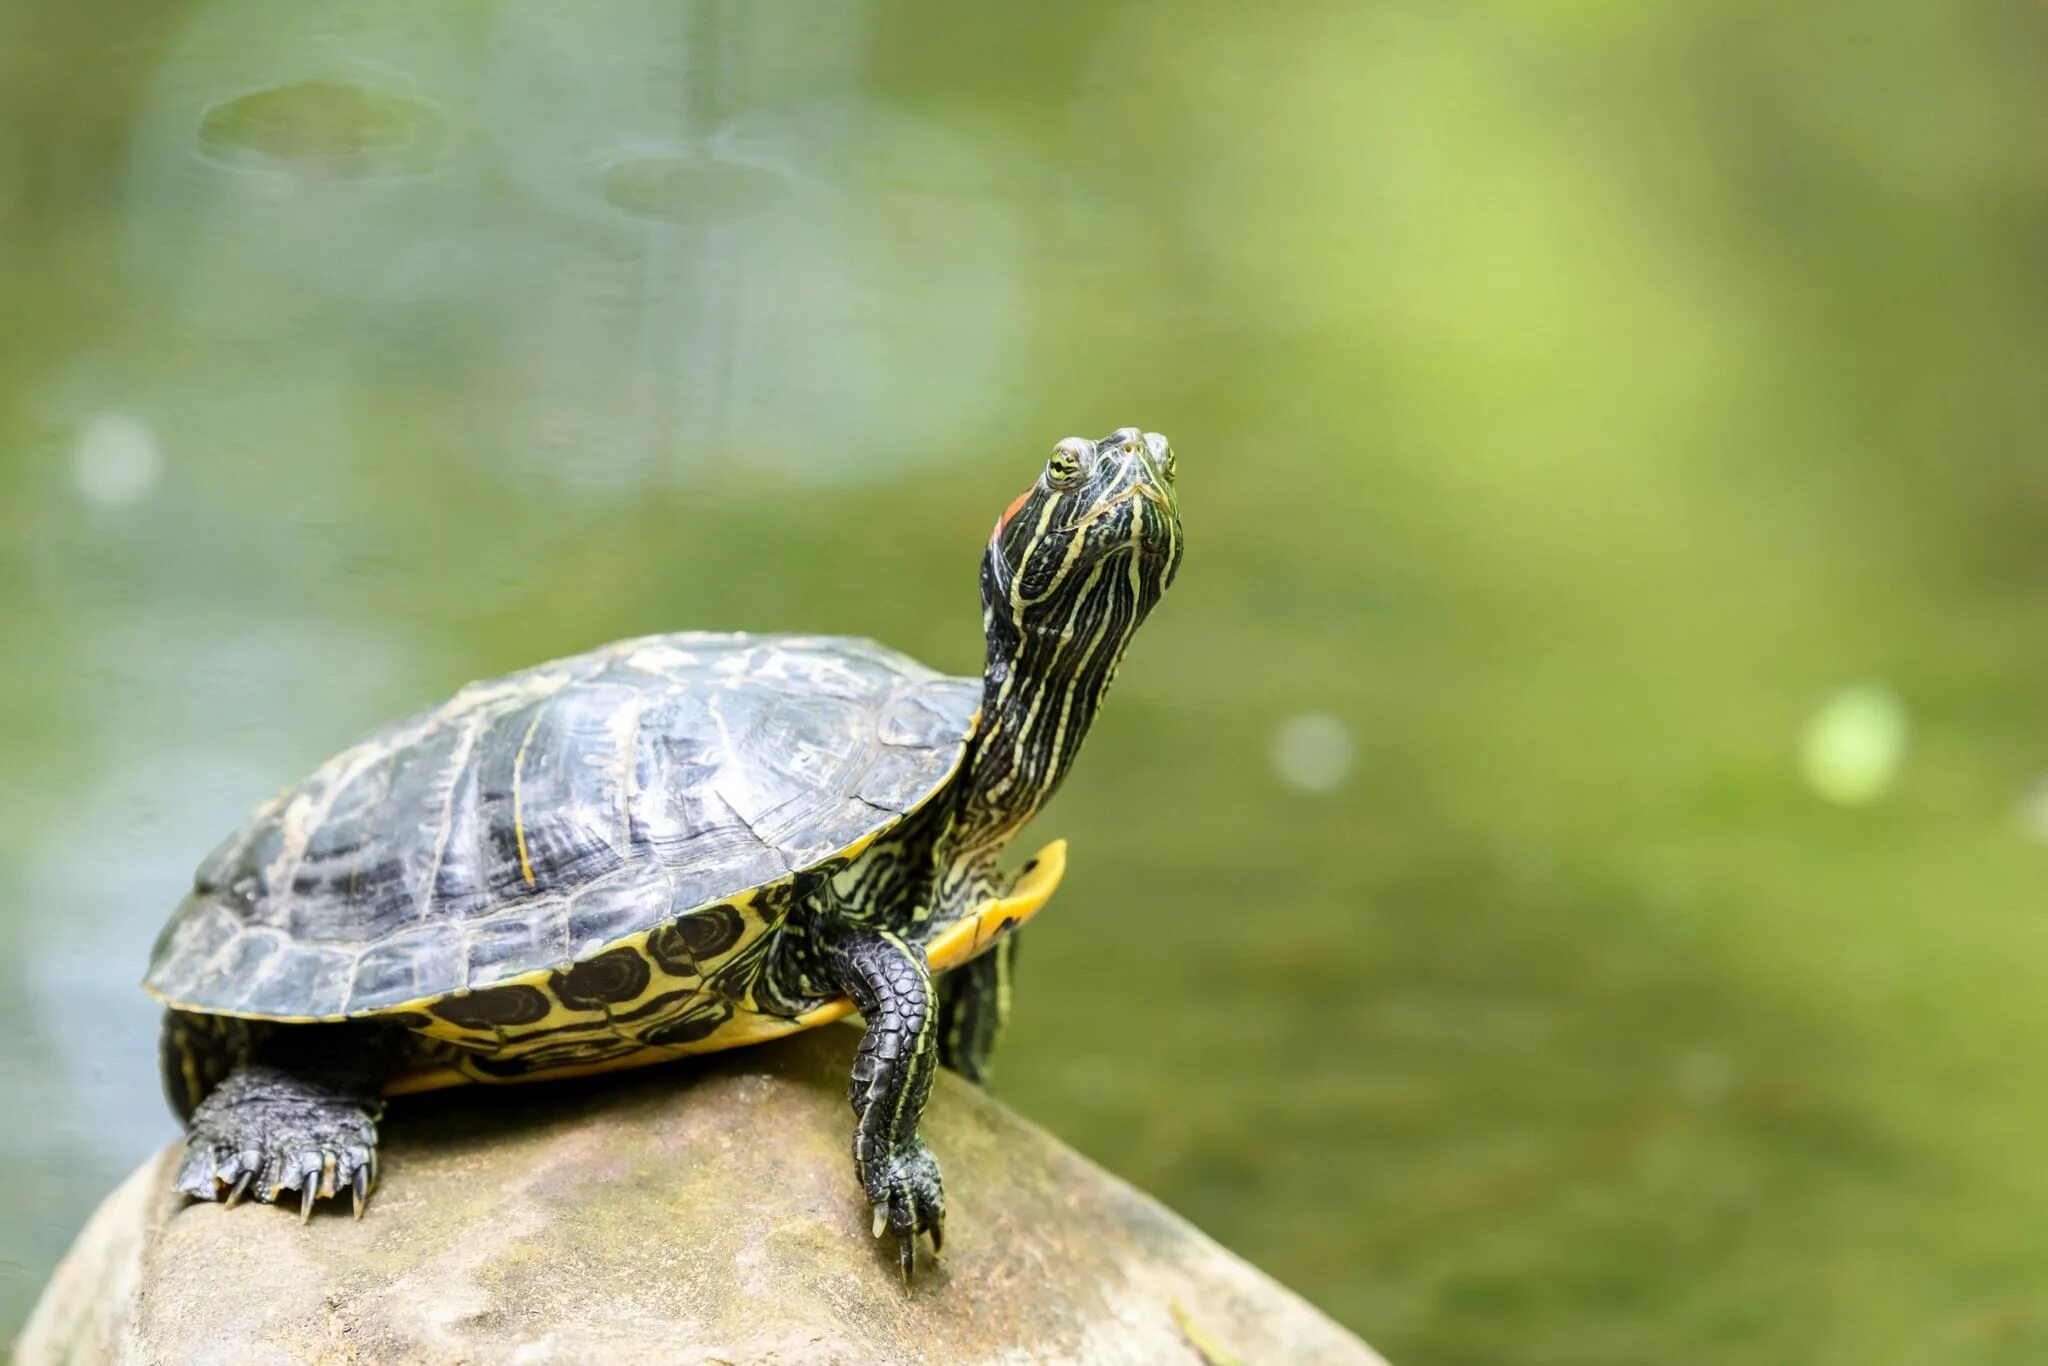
[[702, 1213]]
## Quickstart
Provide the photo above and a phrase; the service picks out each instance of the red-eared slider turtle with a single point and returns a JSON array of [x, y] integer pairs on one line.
[[665, 846]]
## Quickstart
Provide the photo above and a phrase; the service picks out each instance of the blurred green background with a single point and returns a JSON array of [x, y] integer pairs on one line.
[[1560, 879]]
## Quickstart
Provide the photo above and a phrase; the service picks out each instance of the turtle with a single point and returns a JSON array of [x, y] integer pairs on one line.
[[667, 845]]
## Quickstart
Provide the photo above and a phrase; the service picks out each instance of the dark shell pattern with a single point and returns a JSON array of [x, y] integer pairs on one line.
[[584, 858]]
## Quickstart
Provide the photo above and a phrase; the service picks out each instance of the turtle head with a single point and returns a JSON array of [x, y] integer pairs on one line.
[[1083, 554], [1075, 564]]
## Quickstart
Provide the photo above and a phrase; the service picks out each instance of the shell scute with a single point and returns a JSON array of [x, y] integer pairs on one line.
[[495, 1008], [302, 979], [516, 940], [614, 908], [684, 947], [614, 977], [418, 963]]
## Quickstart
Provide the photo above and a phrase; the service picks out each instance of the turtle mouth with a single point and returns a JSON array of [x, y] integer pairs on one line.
[[1141, 488], [1101, 510]]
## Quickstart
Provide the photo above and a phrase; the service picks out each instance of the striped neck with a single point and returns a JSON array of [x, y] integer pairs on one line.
[[1072, 568], [1041, 690]]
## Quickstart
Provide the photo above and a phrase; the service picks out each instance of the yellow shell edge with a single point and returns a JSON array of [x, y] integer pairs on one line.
[[964, 940]]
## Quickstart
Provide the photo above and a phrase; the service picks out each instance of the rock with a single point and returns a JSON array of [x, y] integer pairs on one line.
[[701, 1213]]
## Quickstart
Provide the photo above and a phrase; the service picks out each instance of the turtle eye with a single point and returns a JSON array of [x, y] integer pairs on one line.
[[1063, 471], [1166, 466]]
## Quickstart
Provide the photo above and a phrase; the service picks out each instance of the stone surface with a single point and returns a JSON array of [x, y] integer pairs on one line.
[[700, 1213]]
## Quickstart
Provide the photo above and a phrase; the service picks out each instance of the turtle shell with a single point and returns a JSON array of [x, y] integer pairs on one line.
[[644, 789]]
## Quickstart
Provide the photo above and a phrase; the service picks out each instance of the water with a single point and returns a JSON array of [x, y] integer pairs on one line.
[[1575, 402]]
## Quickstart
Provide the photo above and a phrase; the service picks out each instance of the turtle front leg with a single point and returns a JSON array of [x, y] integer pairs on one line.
[[891, 983], [974, 1006], [298, 1114]]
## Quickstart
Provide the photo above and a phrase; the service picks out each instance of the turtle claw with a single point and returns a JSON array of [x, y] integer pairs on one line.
[[909, 1199], [266, 1141]]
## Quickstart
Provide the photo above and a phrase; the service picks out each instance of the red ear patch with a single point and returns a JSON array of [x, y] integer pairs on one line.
[[1013, 509]]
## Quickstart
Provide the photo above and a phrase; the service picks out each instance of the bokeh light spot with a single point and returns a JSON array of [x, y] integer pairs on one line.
[[117, 461], [2033, 810], [1312, 752], [1854, 744]]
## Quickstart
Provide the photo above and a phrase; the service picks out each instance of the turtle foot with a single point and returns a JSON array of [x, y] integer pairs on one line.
[[264, 1132], [909, 1199]]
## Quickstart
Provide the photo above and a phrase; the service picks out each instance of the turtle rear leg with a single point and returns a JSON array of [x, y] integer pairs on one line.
[[295, 1109], [974, 1006]]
